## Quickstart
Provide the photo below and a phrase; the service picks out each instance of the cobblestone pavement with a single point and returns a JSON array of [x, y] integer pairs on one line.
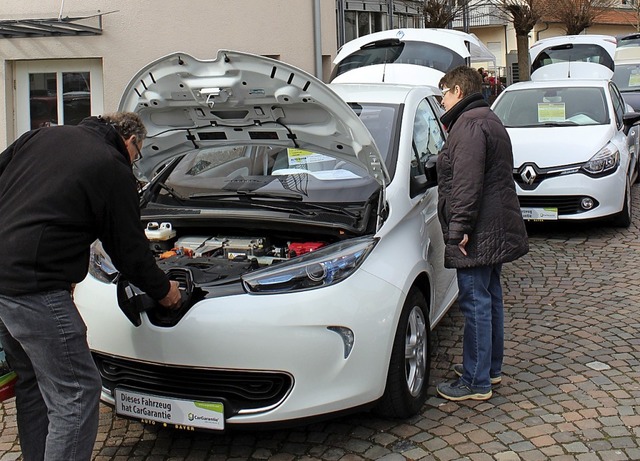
[[570, 389]]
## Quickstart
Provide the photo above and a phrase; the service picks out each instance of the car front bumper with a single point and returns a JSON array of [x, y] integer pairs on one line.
[[566, 192], [296, 334]]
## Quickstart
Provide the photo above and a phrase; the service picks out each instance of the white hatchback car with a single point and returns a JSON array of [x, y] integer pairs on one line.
[[627, 74], [575, 150], [409, 55], [300, 220]]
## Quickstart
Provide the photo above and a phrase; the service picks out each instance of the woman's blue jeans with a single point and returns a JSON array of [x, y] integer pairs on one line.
[[58, 387], [480, 300]]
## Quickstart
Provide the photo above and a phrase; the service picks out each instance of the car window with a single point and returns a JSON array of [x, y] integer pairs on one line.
[[573, 52], [383, 122], [629, 40], [396, 52], [571, 106], [267, 169], [618, 104], [627, 77], [270, 168], [428, 138]]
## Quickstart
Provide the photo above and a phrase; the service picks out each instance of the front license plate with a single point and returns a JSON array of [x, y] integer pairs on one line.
[[540, 214], [176, 412]]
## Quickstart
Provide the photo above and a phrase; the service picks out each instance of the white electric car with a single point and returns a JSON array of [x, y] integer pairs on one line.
[[300, 220]]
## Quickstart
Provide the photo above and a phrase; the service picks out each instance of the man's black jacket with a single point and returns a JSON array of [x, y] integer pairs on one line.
[[60, 189]]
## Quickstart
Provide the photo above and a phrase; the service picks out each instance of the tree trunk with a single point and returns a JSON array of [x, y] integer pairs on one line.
[[522, 42]]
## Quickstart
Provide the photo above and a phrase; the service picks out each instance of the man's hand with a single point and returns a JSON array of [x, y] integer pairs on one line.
[[173, 300], [463, 243]]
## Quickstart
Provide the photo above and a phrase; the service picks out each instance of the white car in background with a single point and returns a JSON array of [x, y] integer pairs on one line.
[[574, 144], [627, 74], [300, 220], [415, 56]]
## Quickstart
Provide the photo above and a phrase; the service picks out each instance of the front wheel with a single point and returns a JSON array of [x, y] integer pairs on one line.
[[408, 376], [623, 218]]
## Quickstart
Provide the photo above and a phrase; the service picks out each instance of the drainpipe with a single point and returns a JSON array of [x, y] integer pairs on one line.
[[390, 14], [342, 36], [541, 30], [317, 41]]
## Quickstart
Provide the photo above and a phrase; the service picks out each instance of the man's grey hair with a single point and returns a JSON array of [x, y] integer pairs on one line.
[[127, 124]]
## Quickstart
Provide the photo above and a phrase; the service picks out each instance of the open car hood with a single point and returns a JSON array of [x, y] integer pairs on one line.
[[239, 99]]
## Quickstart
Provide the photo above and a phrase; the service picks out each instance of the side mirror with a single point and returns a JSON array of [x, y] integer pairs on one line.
[[629, 119], [422, 182], [431, 171]]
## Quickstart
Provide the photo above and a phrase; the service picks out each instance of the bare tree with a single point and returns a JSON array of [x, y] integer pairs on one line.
[[440, 13], [577, 15], [524, 14]]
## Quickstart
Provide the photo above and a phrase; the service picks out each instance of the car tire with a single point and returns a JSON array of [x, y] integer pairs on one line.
[[409, 366], [623, 219]]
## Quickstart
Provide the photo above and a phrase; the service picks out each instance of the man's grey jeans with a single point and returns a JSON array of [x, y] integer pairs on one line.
[[58, 387]]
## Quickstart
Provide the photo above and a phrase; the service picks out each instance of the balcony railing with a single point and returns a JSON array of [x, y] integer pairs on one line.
[[483, 15]]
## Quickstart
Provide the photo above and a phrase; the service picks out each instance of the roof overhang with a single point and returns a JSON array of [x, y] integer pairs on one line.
[[52, 27]]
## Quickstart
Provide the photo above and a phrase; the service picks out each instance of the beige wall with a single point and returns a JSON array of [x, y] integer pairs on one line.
[[492, 35], [140, 31], [554, 30]]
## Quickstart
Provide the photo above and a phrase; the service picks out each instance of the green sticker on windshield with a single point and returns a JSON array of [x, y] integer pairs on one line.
[[551, 112]]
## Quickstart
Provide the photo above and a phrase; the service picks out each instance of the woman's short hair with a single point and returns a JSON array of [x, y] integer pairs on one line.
[[468, 79]]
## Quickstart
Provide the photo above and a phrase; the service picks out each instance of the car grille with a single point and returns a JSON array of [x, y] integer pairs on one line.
[[566, 205], [240, 391]]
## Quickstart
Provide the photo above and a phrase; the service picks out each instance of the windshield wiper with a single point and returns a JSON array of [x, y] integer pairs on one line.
[[335, 209], [249, 194], [565, 123]]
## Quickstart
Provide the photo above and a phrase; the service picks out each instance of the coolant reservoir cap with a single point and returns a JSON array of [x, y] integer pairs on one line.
[[158, 232]]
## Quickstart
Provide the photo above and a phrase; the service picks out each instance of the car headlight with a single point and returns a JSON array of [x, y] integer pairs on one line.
[[100, 265], [317, 269], [605, 161]]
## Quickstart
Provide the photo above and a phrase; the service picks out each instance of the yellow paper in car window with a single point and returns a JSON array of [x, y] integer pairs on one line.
[[551, 112], [305, 157], [634, 79]]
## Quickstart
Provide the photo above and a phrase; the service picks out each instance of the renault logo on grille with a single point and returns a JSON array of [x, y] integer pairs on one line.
[[528, 174]]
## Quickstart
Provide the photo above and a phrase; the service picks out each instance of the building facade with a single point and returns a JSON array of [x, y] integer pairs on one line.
[[62, 60]]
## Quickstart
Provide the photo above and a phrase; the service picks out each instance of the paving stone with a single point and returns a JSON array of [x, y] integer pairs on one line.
[[570, 388]]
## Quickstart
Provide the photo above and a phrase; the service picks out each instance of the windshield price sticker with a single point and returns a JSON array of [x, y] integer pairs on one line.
[[540, 214], [551, 112], [176, 412], [305, 157]]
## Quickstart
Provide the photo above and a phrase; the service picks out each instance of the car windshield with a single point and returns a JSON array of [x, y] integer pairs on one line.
[[627, 77], [570, 106], [281, 172], [396, 52], [579, 52]]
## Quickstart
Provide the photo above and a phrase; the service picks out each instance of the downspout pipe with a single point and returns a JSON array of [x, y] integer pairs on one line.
[[541, 30], [317, 39]]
